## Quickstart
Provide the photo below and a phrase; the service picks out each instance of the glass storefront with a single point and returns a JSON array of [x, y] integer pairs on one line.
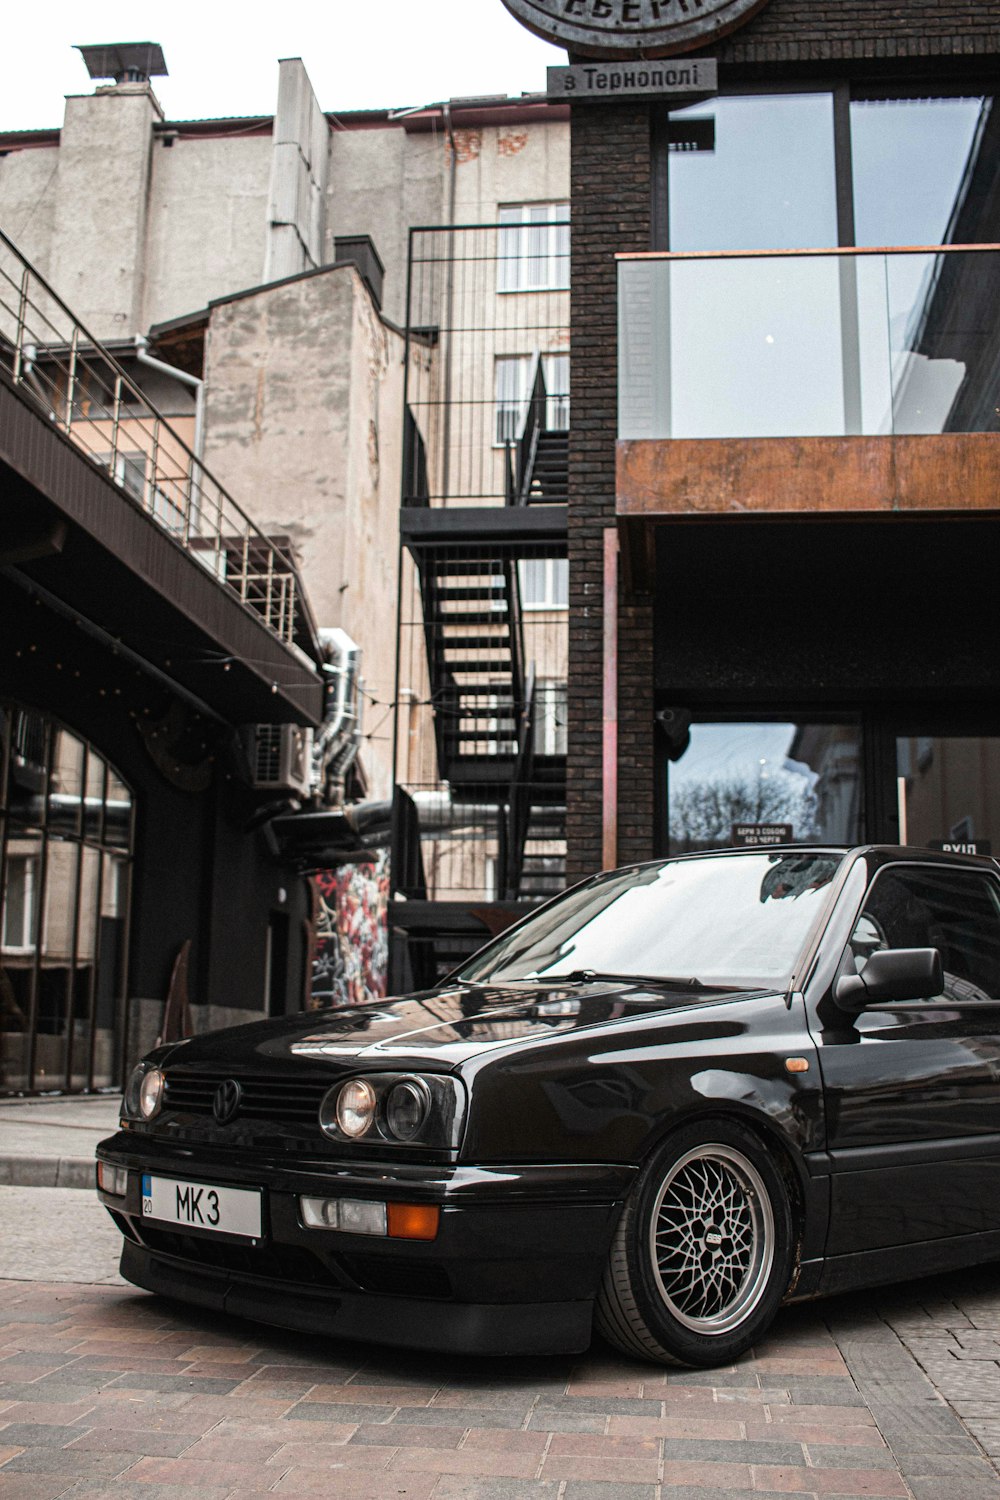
[[755, 783], [948, 790], [761, 783], [65, 859]]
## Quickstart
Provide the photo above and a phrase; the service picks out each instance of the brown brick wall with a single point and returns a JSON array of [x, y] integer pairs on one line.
[[797, 31], [610, 187]]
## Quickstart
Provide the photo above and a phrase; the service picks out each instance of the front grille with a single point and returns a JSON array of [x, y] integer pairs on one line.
[[292, 1101], [286, 1263], [399, 1278]]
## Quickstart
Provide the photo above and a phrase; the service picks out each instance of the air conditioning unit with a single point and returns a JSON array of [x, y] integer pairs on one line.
[[281, 757]]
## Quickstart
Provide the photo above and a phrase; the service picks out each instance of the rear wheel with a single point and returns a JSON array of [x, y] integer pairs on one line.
[[702, 1255]]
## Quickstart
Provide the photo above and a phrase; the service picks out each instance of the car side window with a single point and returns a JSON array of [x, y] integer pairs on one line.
[[955, 911]]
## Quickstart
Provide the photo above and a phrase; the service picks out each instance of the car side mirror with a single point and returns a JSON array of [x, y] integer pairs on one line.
[[891, 974]]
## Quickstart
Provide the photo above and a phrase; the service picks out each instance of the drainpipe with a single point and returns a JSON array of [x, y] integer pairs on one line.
[[28, 375], [449, 301], [195, 382]]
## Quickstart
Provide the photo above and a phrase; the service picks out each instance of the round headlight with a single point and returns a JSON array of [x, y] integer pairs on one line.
[[132, 1088], [406, 1108], [151, 1093], [355, 1110]]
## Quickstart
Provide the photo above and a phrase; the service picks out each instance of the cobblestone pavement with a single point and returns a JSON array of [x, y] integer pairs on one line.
[[106, 1391]]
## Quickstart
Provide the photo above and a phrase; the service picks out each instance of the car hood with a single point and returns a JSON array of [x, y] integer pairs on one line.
[[446, 1026]]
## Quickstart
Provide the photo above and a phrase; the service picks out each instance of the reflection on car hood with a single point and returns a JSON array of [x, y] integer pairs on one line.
[[449, 1025]]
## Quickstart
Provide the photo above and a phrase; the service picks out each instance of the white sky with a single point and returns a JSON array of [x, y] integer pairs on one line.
[[223, 57]]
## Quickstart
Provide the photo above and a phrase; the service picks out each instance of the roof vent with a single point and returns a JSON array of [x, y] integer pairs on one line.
[[125, 62]]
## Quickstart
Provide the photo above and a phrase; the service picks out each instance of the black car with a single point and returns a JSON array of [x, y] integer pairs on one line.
[[672, 1099]]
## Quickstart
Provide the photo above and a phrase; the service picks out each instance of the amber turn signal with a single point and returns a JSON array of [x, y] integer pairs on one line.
[[413, 1221]]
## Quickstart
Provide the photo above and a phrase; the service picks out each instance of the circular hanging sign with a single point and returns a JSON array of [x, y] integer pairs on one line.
[[632, 28]]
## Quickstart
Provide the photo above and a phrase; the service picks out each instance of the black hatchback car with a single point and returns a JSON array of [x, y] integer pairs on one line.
[[668, 1101]]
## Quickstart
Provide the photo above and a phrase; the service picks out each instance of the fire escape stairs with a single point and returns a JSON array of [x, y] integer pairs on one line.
[[488, 714]]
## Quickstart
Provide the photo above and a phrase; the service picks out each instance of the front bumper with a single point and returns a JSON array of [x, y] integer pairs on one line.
[[514, 1268]]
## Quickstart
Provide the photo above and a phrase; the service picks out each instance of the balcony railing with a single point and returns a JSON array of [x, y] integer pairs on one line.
[[52, 359], [487, 310], [810, 343]]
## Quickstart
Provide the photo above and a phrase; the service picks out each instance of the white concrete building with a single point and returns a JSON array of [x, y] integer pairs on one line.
[[237, 249]]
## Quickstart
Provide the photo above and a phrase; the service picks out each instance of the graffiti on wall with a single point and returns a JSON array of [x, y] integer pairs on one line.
[[351, 960]]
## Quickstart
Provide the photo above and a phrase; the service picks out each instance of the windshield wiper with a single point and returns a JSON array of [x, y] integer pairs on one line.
[[585, 976]]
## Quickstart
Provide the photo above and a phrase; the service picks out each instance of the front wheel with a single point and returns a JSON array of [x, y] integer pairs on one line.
[[702, 1255]]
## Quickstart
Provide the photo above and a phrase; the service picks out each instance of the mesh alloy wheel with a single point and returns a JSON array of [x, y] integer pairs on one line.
[[703, 1252], [711, 1239]]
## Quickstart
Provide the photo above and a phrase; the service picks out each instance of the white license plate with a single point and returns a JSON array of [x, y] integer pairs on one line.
[[201, 1205]]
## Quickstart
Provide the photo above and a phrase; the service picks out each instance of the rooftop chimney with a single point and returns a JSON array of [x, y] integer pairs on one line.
[[125, 62]]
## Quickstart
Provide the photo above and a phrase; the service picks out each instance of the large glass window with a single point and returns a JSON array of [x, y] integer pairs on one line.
[[757, 783], [65, 855], [755, 172], [917, 165], [947, 791]]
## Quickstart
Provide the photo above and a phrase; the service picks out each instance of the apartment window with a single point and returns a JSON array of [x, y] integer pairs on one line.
[[544, 583], [19, 903], [65, 858], [534, 247], [513, 377]]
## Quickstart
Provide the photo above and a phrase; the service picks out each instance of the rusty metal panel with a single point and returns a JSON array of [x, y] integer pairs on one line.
[[812, 477]]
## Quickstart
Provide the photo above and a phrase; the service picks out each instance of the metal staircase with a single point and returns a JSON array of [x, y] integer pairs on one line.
[[475, 654], [477, 747]]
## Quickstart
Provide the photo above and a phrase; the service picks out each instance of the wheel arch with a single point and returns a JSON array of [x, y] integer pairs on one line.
[[769, 1135]]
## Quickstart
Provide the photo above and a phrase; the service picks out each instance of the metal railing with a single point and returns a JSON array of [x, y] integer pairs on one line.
[[49, 355], [487, 309]]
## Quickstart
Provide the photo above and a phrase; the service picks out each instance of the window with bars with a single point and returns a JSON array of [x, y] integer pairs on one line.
[[511, 376], [534, 247]]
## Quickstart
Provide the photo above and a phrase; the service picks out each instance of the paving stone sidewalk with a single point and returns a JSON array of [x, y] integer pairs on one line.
[[107, 1392], [50, 1142]]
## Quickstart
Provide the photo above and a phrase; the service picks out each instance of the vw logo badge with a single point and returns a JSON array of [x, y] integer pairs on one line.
[[226, 1104]]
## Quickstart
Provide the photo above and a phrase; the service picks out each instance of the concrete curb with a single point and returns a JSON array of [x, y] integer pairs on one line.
[[47, 1171]]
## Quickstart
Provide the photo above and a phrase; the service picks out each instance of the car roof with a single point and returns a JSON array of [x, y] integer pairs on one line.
[[875, 854]]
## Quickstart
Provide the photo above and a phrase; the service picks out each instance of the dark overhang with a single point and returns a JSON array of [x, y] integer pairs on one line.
[[508, 527], [76, 533]]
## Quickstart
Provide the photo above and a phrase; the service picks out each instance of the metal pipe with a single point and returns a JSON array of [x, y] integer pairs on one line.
[[336, 744], [449, 301], [196, 383]]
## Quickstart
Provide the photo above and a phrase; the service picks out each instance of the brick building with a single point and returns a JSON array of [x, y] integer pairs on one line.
[[781, 504], [800, 453]]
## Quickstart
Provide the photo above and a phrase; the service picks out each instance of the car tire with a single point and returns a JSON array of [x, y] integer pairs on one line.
[[703, 1252]]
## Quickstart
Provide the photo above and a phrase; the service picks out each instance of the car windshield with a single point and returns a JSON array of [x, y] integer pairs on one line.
[[737, 920]]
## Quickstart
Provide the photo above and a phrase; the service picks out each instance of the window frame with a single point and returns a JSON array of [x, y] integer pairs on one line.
[[926, 867], [845, 91]]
